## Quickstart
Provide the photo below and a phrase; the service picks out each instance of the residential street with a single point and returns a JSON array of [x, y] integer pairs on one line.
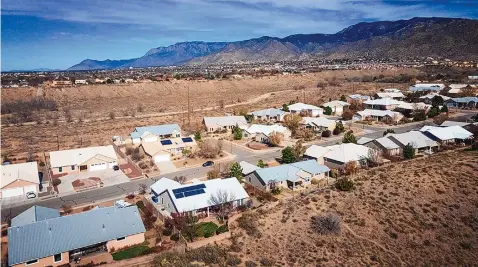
[[118, 191]]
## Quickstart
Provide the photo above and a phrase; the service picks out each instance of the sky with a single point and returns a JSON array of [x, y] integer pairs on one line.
[[57, 34]]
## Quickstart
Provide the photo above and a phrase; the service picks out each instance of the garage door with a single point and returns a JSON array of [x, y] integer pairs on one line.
[[12, 192], [98, 166], [160, 158], [30, 188]]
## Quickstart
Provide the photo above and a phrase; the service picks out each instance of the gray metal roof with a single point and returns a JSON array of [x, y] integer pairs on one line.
[[288, 172], [49, 237], [164, 129], [273, 112], [35, 214]]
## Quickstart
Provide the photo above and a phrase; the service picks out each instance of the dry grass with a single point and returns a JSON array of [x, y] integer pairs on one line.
[[422, 213]]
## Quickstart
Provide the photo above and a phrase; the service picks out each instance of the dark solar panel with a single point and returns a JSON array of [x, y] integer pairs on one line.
[[189, 188], [178, 195], [166, 142], [194, 192], [187, 139]]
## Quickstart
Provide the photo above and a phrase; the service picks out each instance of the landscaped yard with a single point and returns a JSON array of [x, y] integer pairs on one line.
[[131, 252]]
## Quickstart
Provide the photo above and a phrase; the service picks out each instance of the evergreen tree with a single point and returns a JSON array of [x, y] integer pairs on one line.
[[349, 137], [197, 136], [343, 98], [409, 151], [237, 133], [236, 171], [288, 155], [328, 111], [261, 163]]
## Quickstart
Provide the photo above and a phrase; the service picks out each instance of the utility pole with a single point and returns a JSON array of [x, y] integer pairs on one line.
[[304, 94], [189, 109], [58, 142]]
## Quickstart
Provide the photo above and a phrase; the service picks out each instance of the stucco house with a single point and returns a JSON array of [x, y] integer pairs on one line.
[[168, 196], [417, 139], [447, 135], [41, 237], [383, 104], [19, 179], [270, 114], [463, 102], [339, 155], [319, 124], [377, 115], [316, 153], [154, 133], [83, 159], [337, 106], [287, 175], [393, 95], [427, 99], [306, 109], [248, 168], [382, 144], [426, 87], [261, 133], [164, 149], [225, 123], [357, 97]]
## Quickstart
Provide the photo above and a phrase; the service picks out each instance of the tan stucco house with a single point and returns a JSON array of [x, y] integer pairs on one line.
[[83, 159], [41, 237], [19, 179]]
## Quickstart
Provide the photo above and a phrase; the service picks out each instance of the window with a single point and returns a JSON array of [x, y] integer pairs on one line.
[[31, 262], [57, 257], [60, 169], [121, 238], [72, 167]]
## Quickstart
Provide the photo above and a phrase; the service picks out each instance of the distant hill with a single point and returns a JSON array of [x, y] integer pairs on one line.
[[436, 37]]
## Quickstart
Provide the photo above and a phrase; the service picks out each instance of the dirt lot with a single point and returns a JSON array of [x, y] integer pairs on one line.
[[416, 213], [93, 105]]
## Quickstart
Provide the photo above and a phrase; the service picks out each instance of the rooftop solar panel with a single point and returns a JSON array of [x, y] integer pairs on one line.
[[178, 195], [166, 142], [187, 139], [189, 188], [194, 192]]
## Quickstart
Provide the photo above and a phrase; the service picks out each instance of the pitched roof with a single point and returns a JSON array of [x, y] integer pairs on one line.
[[272, 112], [316, 151], [416, 138], [432, 95], [56, 235], [466, 99], [320, 121], [265, 129], [347, 152], [302, 106], [378, 113], [364, 140], [386, 143], [383, 102], [159, 186], [248, 167], [289, 172], [417, 88], [454, 123], [80, 155], [199, 201], [34, 214], [391, 90], [162, 146], [224, 121], [358, 96], [158, 130], [390, 94], [336, 103], [22, 171], [447, 133]]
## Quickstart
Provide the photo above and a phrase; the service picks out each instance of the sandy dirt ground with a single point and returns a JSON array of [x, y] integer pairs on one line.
[[416, 213], [91, 105]]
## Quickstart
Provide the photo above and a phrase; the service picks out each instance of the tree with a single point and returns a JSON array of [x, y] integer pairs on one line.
[[288, 155], [261, 164], [437, 101], [275, 138], [299, 150], [409, 151], [343, 98], [326, 133], [142, 188], [373, 158], [180, 179], [305, 133], [326, 225], [178, 221], [347, 114], [336, 131], [328, 111], [351, 168], [285, 108], [67, 209], [191, 226], [197, 136], [349, 137], [236, 171], [438, 120], [292, 122], [340, 126], [419, 115], [214, 174], [237, 133], [208, 149], [434, 111], [388, 131], [222, 200], [444, 109]]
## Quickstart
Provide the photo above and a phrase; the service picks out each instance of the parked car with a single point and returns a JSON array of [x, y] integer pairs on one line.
[[31, 195], [116, 168], [208, 163]]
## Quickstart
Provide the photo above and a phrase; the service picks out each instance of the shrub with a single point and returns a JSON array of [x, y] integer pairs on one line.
[[42, 164], [266, 262], [409, 151], [275, 191], [129, 150], [349, 137], [347, 114], [222, 229], [328, 111], [131, 252], [326, 133], [326, 224], [175, 237], [315, 181], [167, 231], [251, 264], [248, 222], [233, 260], [344, 184], [207, 229], [336, 131], [56, 182], [140, 204]]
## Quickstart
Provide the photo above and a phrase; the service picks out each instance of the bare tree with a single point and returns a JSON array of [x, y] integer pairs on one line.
[[180, 179], [142, 188], [179, 221], [292, 121], [223, 201], [326, 224], [276, 138], [350, 168]]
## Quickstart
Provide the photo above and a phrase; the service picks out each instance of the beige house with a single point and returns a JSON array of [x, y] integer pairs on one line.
[[226, 123], [41, 237], [83, 159], [319, 124], [166, 149], [261, 133], [19, 179]]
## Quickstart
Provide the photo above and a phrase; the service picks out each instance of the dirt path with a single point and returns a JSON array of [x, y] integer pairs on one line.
[[402, 263]]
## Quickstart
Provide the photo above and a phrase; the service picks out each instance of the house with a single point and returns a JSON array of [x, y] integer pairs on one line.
[[455, 123], [457, 89], [427, 99], [383, 144], [339, 155], [463, 102], [164, 149], [446, 135], [393, 95], [418, 140], [44, 238], [83, 159], [377, 115], [391, 90], [317, 153], [426, 87], [226, 123], [306, 109], [383, 104], [319, 124], [81, 82], [261, 133], [19, 179], [270, 114], [248, 168], [336, 106], [404, 106], [154, 133], [358, 97], [287, 175], [168, 196]]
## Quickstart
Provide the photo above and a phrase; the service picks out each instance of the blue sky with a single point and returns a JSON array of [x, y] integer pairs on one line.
[[61, 33]]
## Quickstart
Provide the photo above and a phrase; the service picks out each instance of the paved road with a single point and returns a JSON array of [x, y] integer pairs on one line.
[[118, 191]]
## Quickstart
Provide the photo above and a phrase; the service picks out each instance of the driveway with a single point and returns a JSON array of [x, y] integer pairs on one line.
[[166, 167], [109, 177]]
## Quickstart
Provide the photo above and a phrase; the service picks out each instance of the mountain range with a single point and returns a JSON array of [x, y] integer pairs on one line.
[[453, 38]]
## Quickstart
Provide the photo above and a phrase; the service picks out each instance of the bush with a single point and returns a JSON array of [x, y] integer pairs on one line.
[[248, 222], [233, 260], [347, 114], [140, 204], [326, 133], [131, 252], [251, 264], [336, 131], [326, 225], [344, 184], [56, 182], [267, 262], [175, 237], [328, 111], [222, 229], [315, 181], [207, 229], [409, 151], [167, 231], [275, 191]]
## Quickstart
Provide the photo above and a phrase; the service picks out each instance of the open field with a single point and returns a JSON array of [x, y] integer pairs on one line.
[[415, 213], [162, 102]]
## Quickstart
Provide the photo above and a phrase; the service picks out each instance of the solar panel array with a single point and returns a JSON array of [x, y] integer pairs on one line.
[[166, 142], [189, 191], [187, 139]]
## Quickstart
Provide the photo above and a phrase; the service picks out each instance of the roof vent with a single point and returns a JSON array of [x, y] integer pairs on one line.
[[103, 226]]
